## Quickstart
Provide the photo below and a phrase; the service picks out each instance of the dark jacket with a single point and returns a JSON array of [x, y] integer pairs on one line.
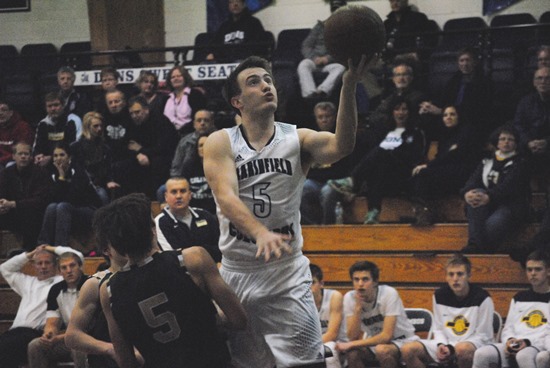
[[48, 133], [29, 188], [532, 119], [94, 156], [13, 131], [505, 182], [77, 188], [246, 29], [410, 22]]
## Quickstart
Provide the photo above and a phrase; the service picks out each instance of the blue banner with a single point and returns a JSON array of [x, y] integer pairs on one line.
[[217, 11], [492, 6]]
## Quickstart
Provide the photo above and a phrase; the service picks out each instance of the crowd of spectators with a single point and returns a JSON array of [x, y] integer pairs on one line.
[[125, 138]]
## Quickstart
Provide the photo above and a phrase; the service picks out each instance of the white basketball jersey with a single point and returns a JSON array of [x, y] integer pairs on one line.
[[324, 316], [270, 185]]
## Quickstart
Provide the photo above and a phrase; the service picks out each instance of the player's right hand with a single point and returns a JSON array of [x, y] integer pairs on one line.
[[270, 243]]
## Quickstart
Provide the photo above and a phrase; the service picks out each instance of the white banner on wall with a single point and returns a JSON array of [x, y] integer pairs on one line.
[[129, 76]]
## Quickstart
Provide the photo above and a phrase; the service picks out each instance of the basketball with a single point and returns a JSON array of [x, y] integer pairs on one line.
[[352, 31]]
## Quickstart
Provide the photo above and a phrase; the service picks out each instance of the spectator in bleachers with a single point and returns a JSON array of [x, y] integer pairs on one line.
[[376, 323], [109, 77], [203, 124], [12, 129], [543, 57], [87, 330], [50, 347], [74, 199], [147, 84], [403, 20], [183, 101], [469, 90], [240, 28], [92, 153], [526, 324], [457, 155], [402, 79], [56, 127], [182, 226], [317, 58], [152, 140], [31, 315], [318, 198], [201, 193], [532, 120], [329, 303], [463, 321], [387, 168], [24, 194], [73, 102], [497, 195], [117, 125]]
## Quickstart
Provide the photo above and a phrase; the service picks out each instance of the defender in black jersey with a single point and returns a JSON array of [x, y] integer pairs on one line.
[[161, 302]]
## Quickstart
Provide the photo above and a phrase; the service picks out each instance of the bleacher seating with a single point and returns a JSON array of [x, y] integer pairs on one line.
[[8, 60], [459, 35], [77, 62], [39, 58]]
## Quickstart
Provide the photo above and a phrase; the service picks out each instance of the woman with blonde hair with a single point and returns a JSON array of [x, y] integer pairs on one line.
[[94, 155]]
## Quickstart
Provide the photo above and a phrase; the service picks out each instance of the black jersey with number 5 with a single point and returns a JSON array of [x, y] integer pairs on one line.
[[166, 316]]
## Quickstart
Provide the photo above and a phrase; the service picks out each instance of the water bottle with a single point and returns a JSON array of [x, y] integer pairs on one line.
[[339, 213]]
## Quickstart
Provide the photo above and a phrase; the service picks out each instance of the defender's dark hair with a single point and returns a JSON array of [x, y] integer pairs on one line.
[[126, 225], [365, 266]]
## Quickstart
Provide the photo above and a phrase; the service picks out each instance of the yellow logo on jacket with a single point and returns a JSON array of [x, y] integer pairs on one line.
[[459, 325], [534, 319]]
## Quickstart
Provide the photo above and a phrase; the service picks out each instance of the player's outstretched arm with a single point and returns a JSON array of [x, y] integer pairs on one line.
[[325, 148], [86, 305], [219, 168], [124, 351], [204, 272]]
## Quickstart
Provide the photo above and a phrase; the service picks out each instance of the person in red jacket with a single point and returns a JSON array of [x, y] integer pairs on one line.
[[13, 129]]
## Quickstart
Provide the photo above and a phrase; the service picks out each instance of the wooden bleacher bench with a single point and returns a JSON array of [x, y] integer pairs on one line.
[[410, 259]]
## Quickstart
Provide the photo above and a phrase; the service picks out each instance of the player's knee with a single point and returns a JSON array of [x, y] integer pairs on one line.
[[526, 357], [464, 352], [386, 351], [484, 356], [354, 357], [543, 359], [409, 351]]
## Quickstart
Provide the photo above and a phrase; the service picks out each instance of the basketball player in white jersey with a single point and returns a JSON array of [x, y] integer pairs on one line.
[[256, 172]]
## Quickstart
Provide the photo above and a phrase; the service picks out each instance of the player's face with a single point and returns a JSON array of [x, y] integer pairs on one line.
[[96, 128], [458, 279], [466, 63], [200, 146], [257, 91], [203, 122], [109, 82], [506, 143], [537, 274], [44, 265], [65, 81], [316, 286], [402, 77], [54, 108], [115, 102], [325, 119], [178, 194], [5, 113], [70, 270], [450, 117], [364, 285]]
